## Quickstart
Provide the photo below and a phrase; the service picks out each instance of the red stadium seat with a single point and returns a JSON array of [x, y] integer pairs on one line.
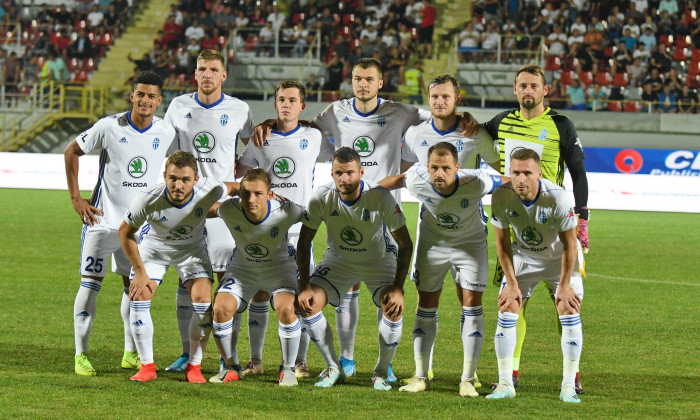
[[609, 51], [567, 77], [666, 39], [603, 78], [615, 106], [105, 39], [40, 62], [251, 43], [586, 77], [569, 64], [695, 55], [344, 30], [632, 106], [336, 18], [349, 19], [74, 64], [89, 64], [553, 63], [81, 77], [298, 17], [683, 41], [621, 80], [680, 54]]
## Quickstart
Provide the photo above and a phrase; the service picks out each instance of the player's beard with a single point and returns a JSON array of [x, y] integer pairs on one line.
[[530, 102]]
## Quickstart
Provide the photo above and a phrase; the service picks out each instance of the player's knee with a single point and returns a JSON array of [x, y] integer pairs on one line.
[[563, 308], [395, 317], [261, 296], [286, 314], [471, 298], [224, 309]]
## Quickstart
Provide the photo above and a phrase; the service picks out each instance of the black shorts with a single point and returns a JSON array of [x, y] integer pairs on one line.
[[425, 35]]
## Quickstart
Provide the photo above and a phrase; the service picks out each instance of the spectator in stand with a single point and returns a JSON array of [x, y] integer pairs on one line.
[[555, 99], [112, 22], [346, 88], [171, 32], [491, 10], [276, 17], [579, 25], [241, 19], [597, 99], [687, 101], [11, 71], [674, 81], [82, 46], [666, 25], [179, 18], [669, 6], [648, 39], [415, 87], [655, 80], [209, 42], [468, 41], [587, 59], [312, 88], [574, 41], [642, 54], [370, 32], [514, 10], [425, 32], [614, 30], [629, 41], [621, 59], [95, 16], [576, 96], [41, 45], [650, 97], [226, 20], [195, 31], [266, 42], [594, 39], [556, 41], [143, 64], [667, 101], [632, 26], [636, 73], [490, 40], [661, 60], [335, 73], [539, 28]]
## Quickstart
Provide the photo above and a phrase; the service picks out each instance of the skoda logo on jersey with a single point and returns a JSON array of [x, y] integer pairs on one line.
[[531, 236], [464, 203], [181, 231], [364, 146], [156, 143], [204, 142], [256, 251], [274, 232], [381, 121], [283, 167], [198, 212], [303, 144], [543, 134], [459, 145], [137, 167], [224, 119], [447, 219], [365, 215], [543, 217], [351, 236]]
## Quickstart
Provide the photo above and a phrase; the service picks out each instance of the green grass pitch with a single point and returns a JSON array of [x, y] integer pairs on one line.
[[640, 355]]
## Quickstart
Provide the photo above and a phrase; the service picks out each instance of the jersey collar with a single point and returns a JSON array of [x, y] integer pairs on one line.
[[128, 118], [289, 133], [537, 118], [264, 218], [446, 132], [379, 101], [352, 203], [196, 98], [530, 203], [453, 191]]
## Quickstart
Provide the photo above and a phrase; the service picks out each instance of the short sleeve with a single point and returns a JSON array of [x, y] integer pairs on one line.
[[312, 216], [248, 127], [499, 218], [407, 152], [94, 137], [564, 213], [136, 215], [391, 212]]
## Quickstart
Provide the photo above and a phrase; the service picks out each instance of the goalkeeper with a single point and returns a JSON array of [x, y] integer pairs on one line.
[[553, 136]]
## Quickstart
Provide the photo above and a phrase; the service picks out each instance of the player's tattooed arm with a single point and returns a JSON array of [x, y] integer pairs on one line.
[[567, 301], [510, 299], [262, 132], [141, 285], [87, 212], [469, 125], [393, 182]]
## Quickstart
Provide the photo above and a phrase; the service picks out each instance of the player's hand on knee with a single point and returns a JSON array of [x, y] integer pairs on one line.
[[392, 301], [567, 300], [87, 212], [305, 299], [469, 125], [139, 286], [582, 234], [510, 299]]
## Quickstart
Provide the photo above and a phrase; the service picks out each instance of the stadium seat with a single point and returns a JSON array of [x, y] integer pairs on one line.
[[298, 17], [553, 63], [621, 80], [615, 106], [251, 43], [680, 54], [695, 55], [80, 77], [81, 24], [231, 54], [683, 41], [632, 106], [336, 18], [40, 62], [603, 78], [586, 77], [74, 64], [344, 30], [666, 39], [566, 77], [569, 64], [26, 37], [89, 64], [609, 51], [349, 19]]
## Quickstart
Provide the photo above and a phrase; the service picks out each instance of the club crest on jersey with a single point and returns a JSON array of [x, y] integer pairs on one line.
[[464, 203], [274, 232], [459, 145], [204, 142], [351, 236], [542, 217], [303, 144], [181, 231], [543, 134], [223, 120], [381, 121], [156, 143], [447, 219], [365, 215], [364, 146], [198, 212], [137, 167], [284, 167], [256, 251], [531, 236]]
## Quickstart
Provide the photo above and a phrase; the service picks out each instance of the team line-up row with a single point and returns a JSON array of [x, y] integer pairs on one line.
[[188, 223]]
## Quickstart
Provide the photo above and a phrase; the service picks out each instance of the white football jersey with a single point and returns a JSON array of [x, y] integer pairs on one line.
[[130, 161], [289, 159], [262, 243], [455, 216], [536, 225], [470, 150], [376, 136], [210, 132], [356, 231], [175, 225]]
